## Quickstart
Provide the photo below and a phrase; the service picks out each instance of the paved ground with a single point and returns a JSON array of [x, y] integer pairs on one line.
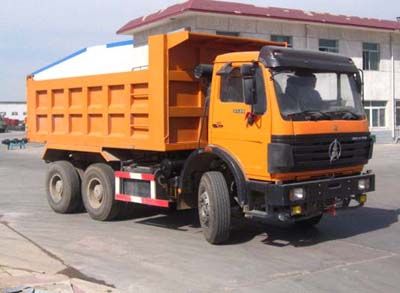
[[152, 251]]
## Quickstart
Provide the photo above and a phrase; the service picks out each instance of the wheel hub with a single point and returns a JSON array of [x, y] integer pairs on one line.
[[98, 192], [95, 193], [59, 187], [56, 187], [204, 209]]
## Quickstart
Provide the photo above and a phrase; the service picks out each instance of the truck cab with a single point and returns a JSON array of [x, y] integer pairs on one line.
[[293, 121]]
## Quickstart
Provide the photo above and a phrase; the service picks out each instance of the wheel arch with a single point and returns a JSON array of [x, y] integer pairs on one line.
[[80, 160], [201, 161]]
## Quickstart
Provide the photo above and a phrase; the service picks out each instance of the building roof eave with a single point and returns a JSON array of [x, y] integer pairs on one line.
[[238, 9]]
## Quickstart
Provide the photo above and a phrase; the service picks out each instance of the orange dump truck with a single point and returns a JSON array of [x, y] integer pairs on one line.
[[218, 123]]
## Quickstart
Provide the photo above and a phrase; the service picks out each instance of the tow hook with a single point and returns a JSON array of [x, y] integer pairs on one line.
[[331, 210]]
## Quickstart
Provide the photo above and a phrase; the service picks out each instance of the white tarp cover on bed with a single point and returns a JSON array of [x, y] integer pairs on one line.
[[110, 58]]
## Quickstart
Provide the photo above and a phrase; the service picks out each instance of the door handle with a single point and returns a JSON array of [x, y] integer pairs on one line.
[[217, 125]]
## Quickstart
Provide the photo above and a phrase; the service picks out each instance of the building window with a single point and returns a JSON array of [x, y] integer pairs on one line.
[[14, 113], [331, 46], [285, 39], [398, 113], [226, 33], [24, 113], [376, 113], [2, 114], [231, 87], [371, 56]]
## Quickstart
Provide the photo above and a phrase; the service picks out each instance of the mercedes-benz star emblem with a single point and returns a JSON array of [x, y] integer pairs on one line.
[[335, 150]]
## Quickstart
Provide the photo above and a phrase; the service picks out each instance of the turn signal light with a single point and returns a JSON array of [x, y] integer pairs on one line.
[[296, 210], [362, 199]]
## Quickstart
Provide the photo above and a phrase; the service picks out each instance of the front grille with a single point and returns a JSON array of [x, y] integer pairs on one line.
[[311, 152]]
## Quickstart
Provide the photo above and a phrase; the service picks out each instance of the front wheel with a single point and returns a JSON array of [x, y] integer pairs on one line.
[[214, 207]]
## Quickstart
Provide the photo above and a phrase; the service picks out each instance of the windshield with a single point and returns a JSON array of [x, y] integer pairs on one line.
[[307, 95]]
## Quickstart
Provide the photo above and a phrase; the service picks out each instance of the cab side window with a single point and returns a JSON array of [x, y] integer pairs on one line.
[[231, 87]]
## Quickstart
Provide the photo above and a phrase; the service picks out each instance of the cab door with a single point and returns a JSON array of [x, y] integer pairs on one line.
[[229, 127]]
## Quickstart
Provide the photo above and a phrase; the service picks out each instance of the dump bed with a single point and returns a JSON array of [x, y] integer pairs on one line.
[[158, 108]]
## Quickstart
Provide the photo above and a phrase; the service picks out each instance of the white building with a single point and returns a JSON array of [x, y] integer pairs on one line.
[[373, 44], [13, 110]]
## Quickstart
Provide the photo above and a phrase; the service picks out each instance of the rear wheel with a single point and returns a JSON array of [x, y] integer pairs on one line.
[[63, 187], [98, 192], [214, 207]]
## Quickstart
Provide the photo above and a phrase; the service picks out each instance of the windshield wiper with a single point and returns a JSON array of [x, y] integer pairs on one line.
[[311, 115], [346, 114]]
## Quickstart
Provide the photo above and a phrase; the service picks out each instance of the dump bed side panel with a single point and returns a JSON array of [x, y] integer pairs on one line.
[[94, 112]]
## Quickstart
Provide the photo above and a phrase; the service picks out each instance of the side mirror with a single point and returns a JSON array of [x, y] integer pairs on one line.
[[248, 69], [249, 90], [248, 83], [254, 88], [225, 70], [359, 79], [203, 71]]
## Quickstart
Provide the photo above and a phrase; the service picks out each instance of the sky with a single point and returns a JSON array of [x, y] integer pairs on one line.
[[34, 33]]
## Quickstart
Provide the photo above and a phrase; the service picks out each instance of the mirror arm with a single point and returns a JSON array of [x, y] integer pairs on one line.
[[251, 117]]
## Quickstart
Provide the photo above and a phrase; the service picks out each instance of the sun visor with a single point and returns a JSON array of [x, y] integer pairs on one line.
[[281, 58]]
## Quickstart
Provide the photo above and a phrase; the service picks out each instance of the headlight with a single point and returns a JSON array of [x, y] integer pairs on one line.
[[297, 194], [363, 184]]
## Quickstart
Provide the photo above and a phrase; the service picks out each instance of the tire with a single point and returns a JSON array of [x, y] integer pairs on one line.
[[63, 187], [214, 207], [309, 223], [98, 192]]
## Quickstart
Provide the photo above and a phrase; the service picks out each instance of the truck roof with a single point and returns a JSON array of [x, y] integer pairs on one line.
[[282, 57]]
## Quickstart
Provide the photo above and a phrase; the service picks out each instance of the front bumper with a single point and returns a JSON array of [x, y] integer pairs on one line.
[[319, 196]]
